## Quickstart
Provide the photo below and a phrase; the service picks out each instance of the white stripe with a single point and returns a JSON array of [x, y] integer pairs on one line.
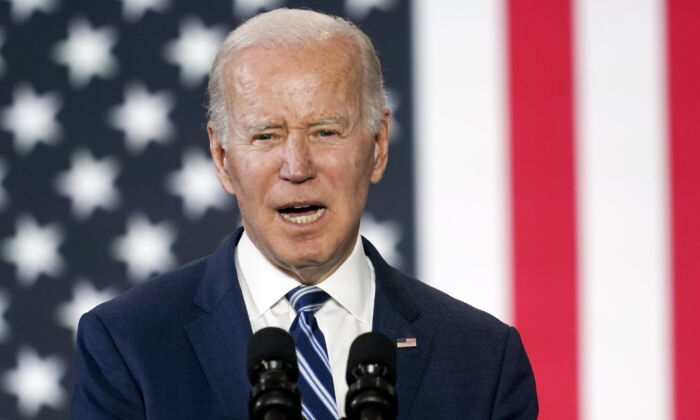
[[318, 348], [301, 292], [316, 384], [461, 151], [310, 308], [307, 413], [624, 268], [318, 391], [313, 380]]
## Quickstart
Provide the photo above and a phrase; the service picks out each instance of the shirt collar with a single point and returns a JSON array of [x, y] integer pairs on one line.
[[350, 285]]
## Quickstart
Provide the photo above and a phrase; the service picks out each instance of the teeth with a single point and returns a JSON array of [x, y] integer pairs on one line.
[[300, 207], [300, 220]]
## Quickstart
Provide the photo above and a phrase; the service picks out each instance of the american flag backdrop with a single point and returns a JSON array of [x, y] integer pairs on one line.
[[544, 166]]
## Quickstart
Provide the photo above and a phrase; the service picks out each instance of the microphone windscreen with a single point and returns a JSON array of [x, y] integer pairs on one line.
[[271, 343], [372, 348]]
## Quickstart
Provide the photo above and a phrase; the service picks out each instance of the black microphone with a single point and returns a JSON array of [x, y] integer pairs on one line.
[[273, 372], [370, 375]]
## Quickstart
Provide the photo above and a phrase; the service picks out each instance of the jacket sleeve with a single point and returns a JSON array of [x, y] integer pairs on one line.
[[516, 395], [105, 388]]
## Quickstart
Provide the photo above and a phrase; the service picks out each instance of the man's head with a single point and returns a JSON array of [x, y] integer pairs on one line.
[[298, 134]]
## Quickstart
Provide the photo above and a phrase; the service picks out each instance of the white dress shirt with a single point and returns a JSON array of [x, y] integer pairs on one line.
[[345, 316]]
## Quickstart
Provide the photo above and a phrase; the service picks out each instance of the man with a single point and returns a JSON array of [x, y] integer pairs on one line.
[[298, 131]]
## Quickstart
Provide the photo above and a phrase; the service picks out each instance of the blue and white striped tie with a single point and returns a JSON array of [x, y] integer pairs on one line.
[[316, 380]]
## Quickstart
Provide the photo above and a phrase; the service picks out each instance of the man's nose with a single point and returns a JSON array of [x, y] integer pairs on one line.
[[297, 161]]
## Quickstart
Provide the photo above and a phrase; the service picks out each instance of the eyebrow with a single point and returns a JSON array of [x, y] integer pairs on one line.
[[330, 121], [264, 126], [256, 128]]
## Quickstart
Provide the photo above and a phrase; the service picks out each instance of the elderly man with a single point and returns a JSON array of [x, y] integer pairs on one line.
[[298, 131]]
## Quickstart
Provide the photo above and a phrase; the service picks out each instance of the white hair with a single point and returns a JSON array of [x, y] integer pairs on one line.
[[288, 27]]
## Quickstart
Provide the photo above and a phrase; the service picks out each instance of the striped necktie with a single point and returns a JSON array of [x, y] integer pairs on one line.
[[316, 381]]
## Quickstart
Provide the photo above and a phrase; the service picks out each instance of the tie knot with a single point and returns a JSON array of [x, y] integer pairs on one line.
[[307, 298]]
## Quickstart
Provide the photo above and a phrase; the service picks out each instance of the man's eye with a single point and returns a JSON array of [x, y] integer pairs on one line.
[[327, 133], [263, 137]]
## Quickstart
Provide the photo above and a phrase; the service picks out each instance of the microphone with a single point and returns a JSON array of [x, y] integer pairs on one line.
[[273, 372], [371, 373]]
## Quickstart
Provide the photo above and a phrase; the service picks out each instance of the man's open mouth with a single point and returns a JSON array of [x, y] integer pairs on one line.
[[302, 214]]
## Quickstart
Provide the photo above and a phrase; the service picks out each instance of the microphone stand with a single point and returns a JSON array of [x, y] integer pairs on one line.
[[275, 414], [371, 398]]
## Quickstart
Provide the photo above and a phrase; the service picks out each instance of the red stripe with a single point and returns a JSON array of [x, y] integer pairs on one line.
[[543, 203], [683, 23]]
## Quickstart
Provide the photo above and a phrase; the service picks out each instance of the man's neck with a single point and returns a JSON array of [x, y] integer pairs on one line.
[[311, 274]]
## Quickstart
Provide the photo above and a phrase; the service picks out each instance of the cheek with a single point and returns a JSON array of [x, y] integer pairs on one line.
[[249, 173], [351, 159], [349, 175]]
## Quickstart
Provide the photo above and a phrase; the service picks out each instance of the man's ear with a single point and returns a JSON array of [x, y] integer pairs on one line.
[[218, 156], [381, 147]]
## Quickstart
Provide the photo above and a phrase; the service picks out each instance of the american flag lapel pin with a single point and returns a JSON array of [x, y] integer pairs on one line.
[[403, 343]]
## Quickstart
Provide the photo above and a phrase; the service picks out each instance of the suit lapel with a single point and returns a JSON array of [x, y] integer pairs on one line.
[[394, 313], [220, 336]]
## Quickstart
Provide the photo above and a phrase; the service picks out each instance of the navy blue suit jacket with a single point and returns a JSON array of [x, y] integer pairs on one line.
[[175, 348]]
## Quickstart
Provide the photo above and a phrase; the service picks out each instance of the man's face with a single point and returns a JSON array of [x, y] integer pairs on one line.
[[298, 156]]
